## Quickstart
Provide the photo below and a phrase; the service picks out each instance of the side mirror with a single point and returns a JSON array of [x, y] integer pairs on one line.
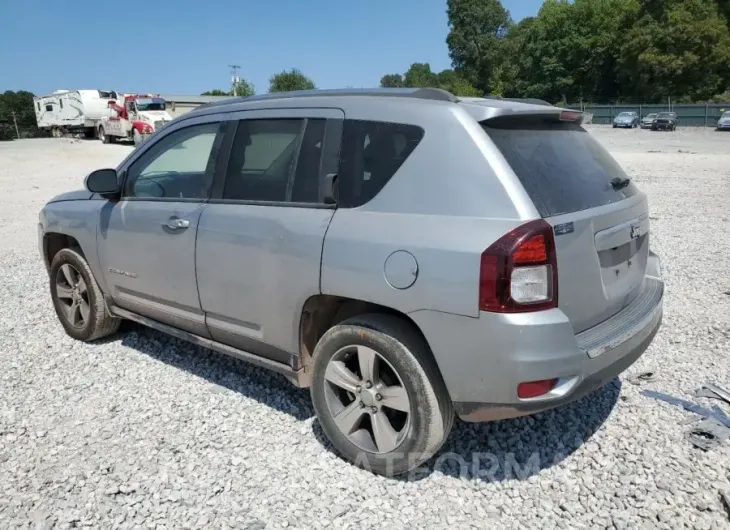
[[102, 181]]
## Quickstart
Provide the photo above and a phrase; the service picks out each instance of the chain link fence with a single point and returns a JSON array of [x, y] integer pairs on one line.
[[697, 115]]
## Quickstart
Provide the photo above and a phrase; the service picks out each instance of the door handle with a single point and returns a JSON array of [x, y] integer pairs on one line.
[[175, 223]]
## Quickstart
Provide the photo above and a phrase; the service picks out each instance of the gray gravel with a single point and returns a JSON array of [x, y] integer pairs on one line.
[[145, 431]]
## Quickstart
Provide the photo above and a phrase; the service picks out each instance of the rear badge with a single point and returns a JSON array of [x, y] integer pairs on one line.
[[565, 228]]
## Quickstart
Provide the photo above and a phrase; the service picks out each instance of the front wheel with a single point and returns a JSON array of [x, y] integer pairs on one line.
[[77, 299], [378, 394]]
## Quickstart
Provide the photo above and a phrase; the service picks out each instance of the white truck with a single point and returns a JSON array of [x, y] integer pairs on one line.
[[139, 116], [73, 111]]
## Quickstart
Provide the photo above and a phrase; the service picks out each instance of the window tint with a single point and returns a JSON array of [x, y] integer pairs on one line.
[[561, 166], [306, 176], [370, 155], [271, 160], [178, 166]]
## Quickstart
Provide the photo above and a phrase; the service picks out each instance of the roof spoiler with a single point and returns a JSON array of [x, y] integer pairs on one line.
[[532, 101]]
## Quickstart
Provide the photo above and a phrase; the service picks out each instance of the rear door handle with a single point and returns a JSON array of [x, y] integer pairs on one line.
[[175, 223]]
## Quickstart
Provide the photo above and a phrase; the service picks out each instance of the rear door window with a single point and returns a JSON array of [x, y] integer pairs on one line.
[[560, 165]]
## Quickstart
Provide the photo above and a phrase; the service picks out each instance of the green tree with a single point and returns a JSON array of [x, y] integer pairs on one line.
[[243, 88], [21, 105], [392, 81], [453, 82], [420, 75], [682, 51], [476, 31], [287, 81], [570, 51], [215, 92]]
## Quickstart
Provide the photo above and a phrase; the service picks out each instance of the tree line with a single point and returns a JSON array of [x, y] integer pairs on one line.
[[590, 51], [285, 81], [595, 50], [16, 108]]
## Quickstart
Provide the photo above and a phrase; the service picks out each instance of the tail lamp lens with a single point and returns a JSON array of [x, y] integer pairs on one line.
[[519, 272]]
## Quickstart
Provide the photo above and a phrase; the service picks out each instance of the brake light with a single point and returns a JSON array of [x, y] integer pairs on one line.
[[570, 115], [519, 272]]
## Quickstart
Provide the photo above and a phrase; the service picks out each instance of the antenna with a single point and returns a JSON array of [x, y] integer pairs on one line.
[[234, 76]]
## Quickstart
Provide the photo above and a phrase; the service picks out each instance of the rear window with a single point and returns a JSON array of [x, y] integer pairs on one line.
[[560, 165]]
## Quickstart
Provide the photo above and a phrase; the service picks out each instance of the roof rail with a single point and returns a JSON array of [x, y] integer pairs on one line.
[[533, 101], [435, 94]]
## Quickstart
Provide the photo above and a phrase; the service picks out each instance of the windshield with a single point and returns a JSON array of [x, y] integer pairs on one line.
[[650, 116], [625, 115], [144, 104], [725, 116], [666, 115]]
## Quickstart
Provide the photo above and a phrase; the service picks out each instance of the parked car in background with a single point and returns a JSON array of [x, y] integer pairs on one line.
[[724, 122], [626, 119], [282, 229], [665, 121], [648, 120]]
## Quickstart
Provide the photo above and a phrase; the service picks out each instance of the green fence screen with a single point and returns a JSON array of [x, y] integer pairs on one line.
[[690, 115]]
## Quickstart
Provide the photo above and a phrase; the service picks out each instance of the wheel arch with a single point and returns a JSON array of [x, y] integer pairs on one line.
[[54, 242], [321, 312]]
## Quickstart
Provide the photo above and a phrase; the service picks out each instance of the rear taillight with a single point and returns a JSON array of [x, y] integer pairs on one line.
[[519, 271]]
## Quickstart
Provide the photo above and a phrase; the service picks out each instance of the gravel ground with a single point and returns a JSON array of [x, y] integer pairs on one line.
[[145, 431]]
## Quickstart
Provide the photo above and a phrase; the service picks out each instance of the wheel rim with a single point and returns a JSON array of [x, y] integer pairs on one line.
[[73, 295], [367, 399], [101, 134]]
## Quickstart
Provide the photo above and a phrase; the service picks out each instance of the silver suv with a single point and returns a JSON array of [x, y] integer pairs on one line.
[[409, 255]]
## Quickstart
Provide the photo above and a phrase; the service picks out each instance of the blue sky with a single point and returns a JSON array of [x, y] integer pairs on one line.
[[184, 46]]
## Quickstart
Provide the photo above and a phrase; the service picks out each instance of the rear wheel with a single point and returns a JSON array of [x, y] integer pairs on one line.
[[378, 394], [102, 136], [77, 299]]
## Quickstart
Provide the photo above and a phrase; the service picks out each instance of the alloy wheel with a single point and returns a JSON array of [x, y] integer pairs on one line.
[[73, 295], [367, 399]]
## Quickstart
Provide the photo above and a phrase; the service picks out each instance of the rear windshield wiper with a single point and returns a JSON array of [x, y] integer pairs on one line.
[[618, 183]]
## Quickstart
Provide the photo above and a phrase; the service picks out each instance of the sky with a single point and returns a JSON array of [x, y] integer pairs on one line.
[[185, 46]]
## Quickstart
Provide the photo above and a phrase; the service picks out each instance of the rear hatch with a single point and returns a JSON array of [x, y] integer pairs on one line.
[[599, 217]]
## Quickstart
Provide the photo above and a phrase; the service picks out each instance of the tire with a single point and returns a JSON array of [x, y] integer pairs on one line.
[[408, 366], [136, 137], [73, 284], [102, 136]]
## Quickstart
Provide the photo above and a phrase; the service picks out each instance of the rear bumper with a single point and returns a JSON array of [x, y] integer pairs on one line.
[[484, 360]]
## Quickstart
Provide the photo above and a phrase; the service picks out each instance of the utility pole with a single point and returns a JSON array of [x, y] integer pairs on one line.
[[16, 125], [234, 77]]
